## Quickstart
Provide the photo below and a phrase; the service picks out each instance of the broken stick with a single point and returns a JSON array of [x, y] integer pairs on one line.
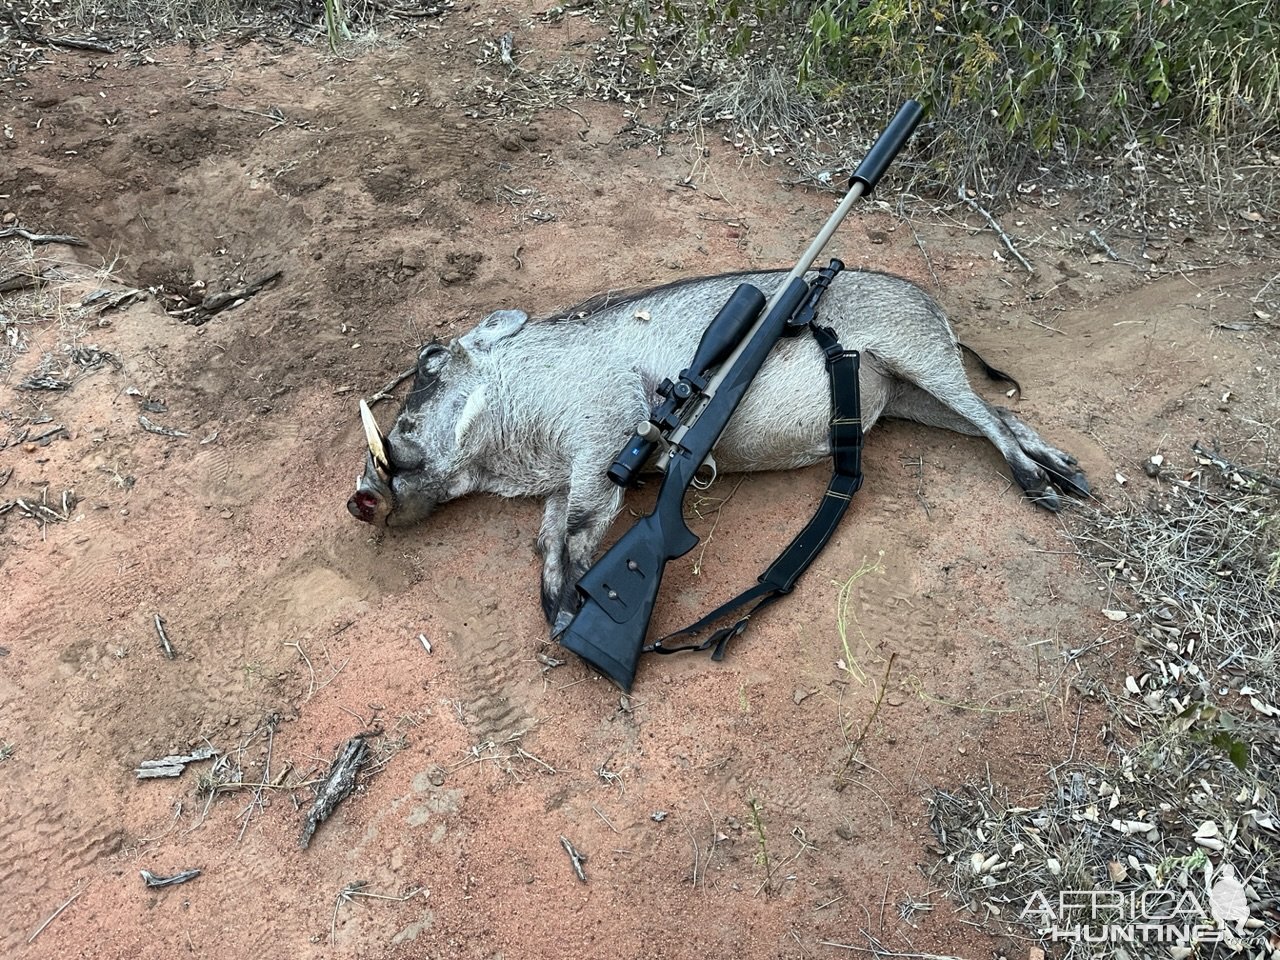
[[337, 786], [39, 238], [165, 645], [153, 880], [385, 392], [575, 858], [220, 301], [999, 231], [172, 765], [155, 428]]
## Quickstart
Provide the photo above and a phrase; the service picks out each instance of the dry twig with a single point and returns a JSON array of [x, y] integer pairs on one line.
[[973, 204]]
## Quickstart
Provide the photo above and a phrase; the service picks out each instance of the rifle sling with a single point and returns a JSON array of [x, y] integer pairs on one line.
[[846, 454]]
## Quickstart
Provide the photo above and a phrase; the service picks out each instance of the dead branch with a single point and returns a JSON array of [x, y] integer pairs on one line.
[[152, 880], [173, 764], [385, 392], [575, 858], [54, 916], [25, 31], [1226, 466], [165, 645], [977, 208], [337, 786], [39, 238], [26, 280]]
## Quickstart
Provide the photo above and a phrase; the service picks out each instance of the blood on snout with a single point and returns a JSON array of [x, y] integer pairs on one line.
[[363, 505]]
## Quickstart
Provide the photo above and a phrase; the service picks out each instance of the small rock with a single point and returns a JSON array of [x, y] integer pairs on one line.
[[530, 135], [658, 816], [845, 831], [436, 776], [799, 696], [510, 143], [10, 217], [225, 514]]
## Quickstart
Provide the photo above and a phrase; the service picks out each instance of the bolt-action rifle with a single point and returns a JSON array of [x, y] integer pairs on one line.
[[619, 591]]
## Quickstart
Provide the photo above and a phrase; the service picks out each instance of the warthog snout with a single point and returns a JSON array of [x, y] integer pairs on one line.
[[363, 505]]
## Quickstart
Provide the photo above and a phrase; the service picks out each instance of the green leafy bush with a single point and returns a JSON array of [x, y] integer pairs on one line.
[[1007, 80], [1085, 70]]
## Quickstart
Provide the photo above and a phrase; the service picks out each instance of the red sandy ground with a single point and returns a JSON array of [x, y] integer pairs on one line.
[[385, 213]]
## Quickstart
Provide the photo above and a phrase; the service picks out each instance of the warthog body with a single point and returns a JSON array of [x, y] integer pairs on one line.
[[519, 408]]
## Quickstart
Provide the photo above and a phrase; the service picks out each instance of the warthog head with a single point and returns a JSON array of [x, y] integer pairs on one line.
[[424, 460]]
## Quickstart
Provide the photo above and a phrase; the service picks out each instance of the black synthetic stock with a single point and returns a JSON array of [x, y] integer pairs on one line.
[[619, 591], [886, 147]]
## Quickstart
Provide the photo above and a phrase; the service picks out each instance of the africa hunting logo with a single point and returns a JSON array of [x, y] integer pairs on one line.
[[1157, 915]]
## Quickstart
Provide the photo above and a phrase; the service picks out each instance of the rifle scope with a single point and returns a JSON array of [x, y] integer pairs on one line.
[[722, 335]]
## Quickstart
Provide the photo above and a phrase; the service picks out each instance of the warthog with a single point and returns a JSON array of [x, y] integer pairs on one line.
[[521, 408]]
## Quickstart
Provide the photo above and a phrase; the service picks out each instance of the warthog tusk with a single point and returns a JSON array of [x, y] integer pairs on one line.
[[374, 436]]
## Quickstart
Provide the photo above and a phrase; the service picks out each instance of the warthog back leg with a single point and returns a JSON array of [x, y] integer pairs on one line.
[[945, 399], [1064, 473]]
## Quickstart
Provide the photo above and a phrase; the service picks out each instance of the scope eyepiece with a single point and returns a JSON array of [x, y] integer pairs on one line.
[[628, 464]]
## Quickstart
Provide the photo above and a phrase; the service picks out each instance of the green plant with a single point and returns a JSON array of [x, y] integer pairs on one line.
[[1007, 84], [1048, 70], [335, 23]]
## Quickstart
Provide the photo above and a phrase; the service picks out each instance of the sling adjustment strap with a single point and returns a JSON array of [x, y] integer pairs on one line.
[[846, 454]]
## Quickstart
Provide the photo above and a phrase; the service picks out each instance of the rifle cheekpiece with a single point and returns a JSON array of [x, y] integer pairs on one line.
[[618, 593]]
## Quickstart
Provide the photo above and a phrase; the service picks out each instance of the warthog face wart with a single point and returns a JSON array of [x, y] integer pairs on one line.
[[540, 409]]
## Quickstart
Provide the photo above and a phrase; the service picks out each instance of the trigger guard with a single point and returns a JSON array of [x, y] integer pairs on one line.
[[708, 463]]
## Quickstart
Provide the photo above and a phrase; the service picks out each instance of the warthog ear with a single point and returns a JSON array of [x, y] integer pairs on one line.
[[432, 357], [471, 410], [496, 326]]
